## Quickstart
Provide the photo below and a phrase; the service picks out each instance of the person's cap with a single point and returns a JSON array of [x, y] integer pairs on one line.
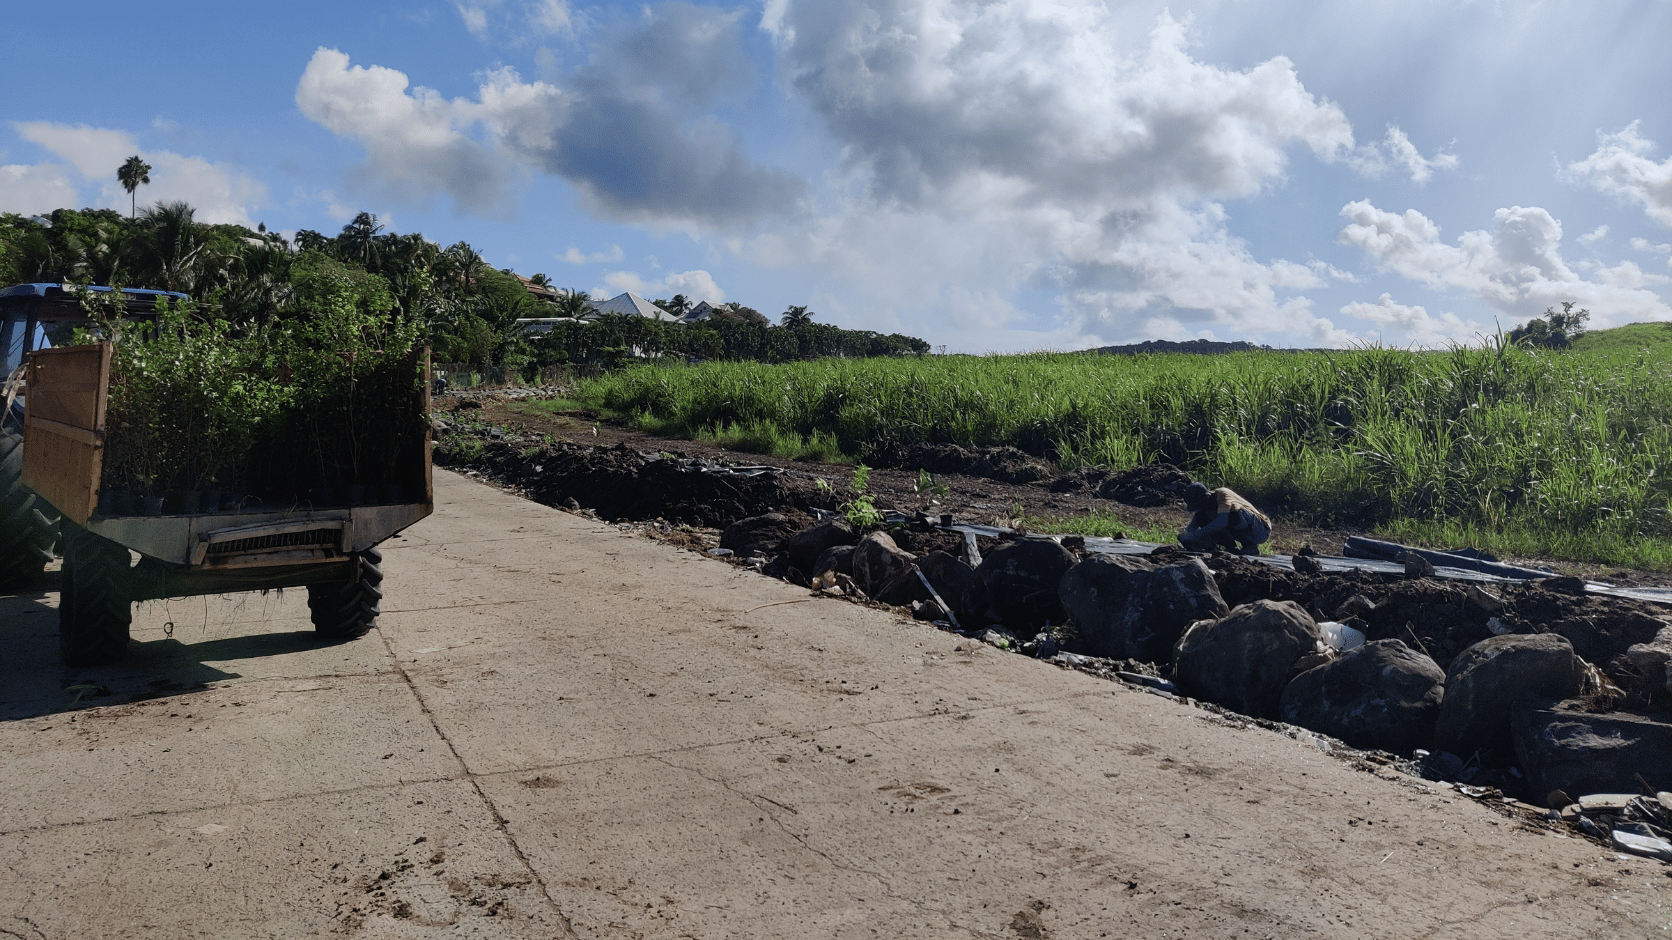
[[1195, 493]]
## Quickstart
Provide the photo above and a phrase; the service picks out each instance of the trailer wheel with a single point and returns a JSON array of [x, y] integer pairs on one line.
[[343, 610], [28, 524], [94, 610]]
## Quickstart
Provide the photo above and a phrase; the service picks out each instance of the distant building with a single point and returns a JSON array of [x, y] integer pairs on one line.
[[703, 310], [534, 326], [543, 292], [634, 305]]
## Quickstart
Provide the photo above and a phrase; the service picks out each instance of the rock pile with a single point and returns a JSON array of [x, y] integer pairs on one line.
[[1519, 706]]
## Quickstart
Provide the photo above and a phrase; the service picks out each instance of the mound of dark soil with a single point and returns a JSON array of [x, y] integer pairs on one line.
[[1151, 485], [620, 483], [1005, 464]]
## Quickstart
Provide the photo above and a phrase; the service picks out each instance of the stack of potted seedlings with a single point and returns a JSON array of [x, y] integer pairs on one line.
[[313, 410]]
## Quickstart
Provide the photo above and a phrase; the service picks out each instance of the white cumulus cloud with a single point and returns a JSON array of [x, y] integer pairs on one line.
[[695, 285], [1395, 150], [551, 17], [218, 192], [961, 154], [1643, 244], [417, 142], [93, 151], [1017, 144], [30, 189], [1622, 167], [474, 16], [1414, 325], [1517, 267], [628, 130], [576, 256]]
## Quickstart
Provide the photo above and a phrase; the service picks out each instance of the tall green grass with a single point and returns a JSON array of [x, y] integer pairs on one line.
[[1519, 447]]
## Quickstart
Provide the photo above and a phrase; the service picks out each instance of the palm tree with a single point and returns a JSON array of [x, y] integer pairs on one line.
[[574, 304], [177, 246], [466, 263], [797, 316], [133, 174], [409, 262], [679, 306], [100, 256], [260, 287], [309, 240], [35, 258], [358, 241]]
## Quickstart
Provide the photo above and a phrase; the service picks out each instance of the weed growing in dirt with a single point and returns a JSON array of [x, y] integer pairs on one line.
[[926, 484], [861, 511], [460, 449]]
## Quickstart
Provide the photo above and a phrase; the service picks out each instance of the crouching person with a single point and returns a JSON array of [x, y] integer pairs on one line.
[[1223, 521]]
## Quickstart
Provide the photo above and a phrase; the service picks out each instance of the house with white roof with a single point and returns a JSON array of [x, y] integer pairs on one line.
[[634, 305]]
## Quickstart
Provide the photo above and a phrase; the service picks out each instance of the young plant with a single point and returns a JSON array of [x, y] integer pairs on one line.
[[861, 511], [926, 483]]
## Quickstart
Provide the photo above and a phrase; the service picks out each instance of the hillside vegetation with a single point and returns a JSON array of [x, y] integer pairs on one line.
[[1535, 452]]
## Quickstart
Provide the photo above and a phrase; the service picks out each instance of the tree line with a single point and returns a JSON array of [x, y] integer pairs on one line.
[[614, 339], [468, 309]]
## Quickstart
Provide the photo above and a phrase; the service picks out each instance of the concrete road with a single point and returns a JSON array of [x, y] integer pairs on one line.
[[562, 731]]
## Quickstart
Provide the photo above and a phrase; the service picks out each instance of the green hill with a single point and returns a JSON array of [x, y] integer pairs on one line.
[[1655, 339]]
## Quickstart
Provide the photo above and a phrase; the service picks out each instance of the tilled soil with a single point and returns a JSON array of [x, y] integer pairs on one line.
[[684, 491]]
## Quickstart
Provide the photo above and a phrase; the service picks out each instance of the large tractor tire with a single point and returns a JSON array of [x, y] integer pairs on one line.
[[28, 523], [94, 606], [343, 610]]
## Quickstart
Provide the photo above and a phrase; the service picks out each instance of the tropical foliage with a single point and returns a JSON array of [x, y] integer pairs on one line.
[[616, 339], [1553, 330], [467, 310]]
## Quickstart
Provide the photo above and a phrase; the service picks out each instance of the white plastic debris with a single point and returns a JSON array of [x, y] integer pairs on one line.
[[1647, 846], [1002, 639], [1339, 636]]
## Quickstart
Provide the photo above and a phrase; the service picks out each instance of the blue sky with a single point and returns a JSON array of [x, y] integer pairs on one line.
[[991, 175]]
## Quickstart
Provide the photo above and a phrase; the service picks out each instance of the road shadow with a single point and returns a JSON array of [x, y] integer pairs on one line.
[[34, 680]]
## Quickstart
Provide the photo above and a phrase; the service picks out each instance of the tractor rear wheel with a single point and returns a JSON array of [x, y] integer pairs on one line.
[[343, 610], [28, 523], [94, 606]]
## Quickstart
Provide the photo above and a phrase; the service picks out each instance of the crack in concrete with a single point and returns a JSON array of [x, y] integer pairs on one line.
[[881, 880], [206, 807], [756, 799], [476, 784], [38, 933], [419, 610], [467, 774], [783, 732]]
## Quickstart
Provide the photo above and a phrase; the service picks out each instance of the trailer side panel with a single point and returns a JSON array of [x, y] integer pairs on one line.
[[64, 426]]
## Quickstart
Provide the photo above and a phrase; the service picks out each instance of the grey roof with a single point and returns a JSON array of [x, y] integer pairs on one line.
[[702, 311], [631, 303]]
